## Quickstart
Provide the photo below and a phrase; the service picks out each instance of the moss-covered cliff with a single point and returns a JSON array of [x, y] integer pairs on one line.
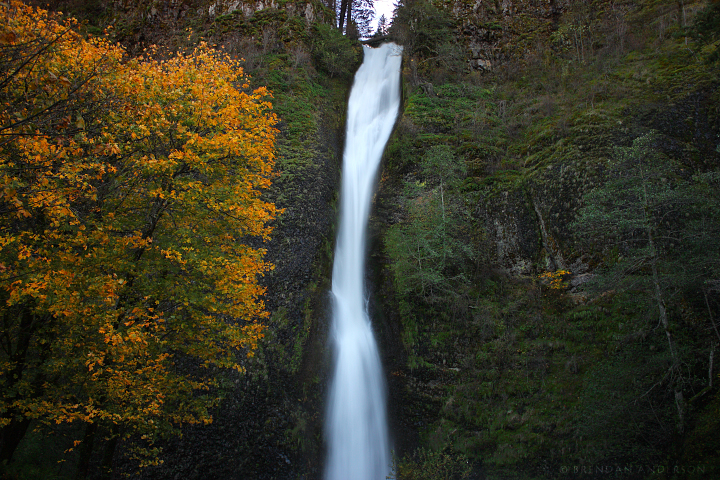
[[534, 348]]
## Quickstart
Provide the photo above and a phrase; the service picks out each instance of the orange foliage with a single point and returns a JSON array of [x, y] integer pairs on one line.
[[555, 280], [128, 189]]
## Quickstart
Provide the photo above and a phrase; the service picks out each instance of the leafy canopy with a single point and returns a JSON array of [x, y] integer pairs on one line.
[[129, 193]]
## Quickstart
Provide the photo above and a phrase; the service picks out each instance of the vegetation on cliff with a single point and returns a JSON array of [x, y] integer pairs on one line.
[[558, 301]]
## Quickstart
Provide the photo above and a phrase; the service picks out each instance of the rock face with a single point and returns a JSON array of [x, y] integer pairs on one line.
[[167, 16], [511, 227], [248, 8], [529, 223], [493, 31], [168, 10]]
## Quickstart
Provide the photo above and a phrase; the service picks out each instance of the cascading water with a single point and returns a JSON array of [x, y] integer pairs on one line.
[[356, 428]]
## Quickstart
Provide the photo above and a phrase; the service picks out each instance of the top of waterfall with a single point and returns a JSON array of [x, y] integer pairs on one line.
[[377, 41]]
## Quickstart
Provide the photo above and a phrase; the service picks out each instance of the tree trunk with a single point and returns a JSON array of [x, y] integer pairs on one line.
[[345, 8], [675, 380], [679, 398], [712, 320], [661, 308], [680, 404], [109, 452], [710, 367], [11, 435], [86, 448]]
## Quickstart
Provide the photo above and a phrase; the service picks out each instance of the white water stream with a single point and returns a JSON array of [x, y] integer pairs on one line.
[[356, 427]]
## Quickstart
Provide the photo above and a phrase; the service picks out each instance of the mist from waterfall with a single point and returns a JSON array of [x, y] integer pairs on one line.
[[356, 425]]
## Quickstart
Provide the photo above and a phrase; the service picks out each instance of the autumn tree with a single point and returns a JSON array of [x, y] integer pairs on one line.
[[129, 193]]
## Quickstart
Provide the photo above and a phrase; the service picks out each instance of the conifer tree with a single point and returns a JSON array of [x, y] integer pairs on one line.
[[383, 25], [659, 234]]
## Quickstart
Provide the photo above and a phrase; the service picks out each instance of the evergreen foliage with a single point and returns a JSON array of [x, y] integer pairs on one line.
[[362, 14], [335, 54], [706, 30], [586, 333], [431, 465], [645, 215], [426, 34], [383, 26]]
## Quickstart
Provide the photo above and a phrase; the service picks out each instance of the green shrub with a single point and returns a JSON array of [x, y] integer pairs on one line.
[[334, 53], [706, 30], [430, 465]]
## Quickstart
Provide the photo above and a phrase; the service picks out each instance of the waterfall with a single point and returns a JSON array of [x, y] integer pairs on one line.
[[356, 427]]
